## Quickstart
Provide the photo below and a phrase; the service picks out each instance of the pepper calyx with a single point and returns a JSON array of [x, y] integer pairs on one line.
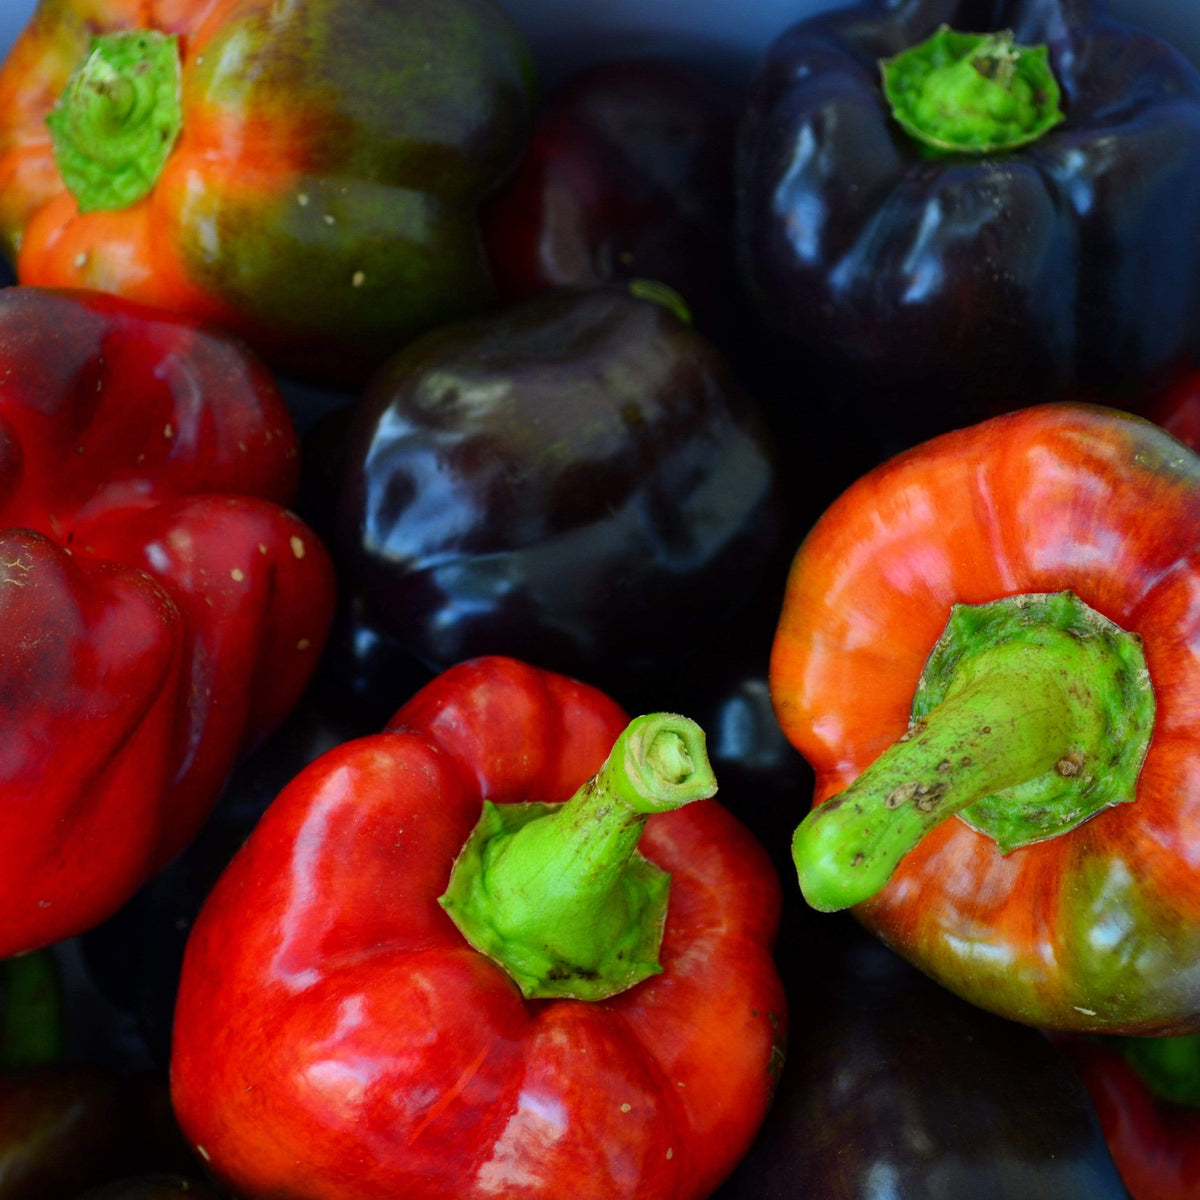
[[558, 894], [972, 93], [117, 120], [1033, 713]]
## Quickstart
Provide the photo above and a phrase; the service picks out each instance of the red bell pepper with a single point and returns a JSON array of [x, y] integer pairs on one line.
[[159, 609], [337, 1035], [1003, 624], [1153, 1132]]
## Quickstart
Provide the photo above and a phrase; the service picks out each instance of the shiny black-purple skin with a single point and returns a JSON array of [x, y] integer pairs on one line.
[[928, 292]]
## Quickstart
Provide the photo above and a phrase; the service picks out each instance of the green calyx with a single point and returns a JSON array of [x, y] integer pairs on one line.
[[1170, 1066], [1033, 713], [118, 119], [972, 93], [558, 894]]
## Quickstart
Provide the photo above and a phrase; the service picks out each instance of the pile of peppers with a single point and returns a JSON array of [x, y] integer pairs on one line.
[[489, 572]]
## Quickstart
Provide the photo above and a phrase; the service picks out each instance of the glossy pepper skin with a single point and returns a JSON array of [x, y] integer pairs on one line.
[[1154, 1142], [577, 481], [1092, 928], [330, 1013], [160, 610], [934, 291], [894, 1087], [134, 957], [320, 195]]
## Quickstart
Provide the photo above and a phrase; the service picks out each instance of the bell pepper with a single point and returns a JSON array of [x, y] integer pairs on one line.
[[577, 481], [628, 175], [160, 610], [999, 626], [304, 173], [1146, 1092], [946, 222], [423, 976], [893, 1087]]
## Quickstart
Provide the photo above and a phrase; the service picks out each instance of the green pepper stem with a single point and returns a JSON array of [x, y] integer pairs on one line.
[[1033, 713], [118, 118], [972, 93], [558, 895], [976, 745]]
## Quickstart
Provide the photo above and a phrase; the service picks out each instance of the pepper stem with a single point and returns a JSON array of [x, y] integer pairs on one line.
[[1033, 713], [972, 93], [558, 894], [118, 118]]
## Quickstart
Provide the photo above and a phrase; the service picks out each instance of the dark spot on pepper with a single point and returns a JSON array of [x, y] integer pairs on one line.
[[857, 860]]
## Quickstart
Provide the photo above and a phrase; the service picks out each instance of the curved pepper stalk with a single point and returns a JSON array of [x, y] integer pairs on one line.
[[1033, 714], [558, 895]]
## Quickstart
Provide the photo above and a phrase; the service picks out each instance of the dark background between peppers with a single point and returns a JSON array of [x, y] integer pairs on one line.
[[726, 39]]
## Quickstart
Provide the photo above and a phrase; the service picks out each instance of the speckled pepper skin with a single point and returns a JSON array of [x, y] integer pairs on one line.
[[320, 198], [160, 610]]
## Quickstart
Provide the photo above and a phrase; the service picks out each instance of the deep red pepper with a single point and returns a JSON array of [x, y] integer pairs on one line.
[[336, 1035], [159, 609], [1154, 1142]]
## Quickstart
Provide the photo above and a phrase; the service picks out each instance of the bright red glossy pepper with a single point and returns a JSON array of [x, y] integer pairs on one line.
[[337, 1035], [159, 609], [1004, 623], [1147, 1099]]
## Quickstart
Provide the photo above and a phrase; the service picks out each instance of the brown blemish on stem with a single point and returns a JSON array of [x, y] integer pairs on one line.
[[1070, 765]]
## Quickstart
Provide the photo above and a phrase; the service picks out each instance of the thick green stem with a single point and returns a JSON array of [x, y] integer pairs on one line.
[[557, 894], [118, 118], [1032, 715], [972, 93]]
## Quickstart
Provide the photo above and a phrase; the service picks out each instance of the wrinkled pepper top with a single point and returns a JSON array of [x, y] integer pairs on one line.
[[160, 610]]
